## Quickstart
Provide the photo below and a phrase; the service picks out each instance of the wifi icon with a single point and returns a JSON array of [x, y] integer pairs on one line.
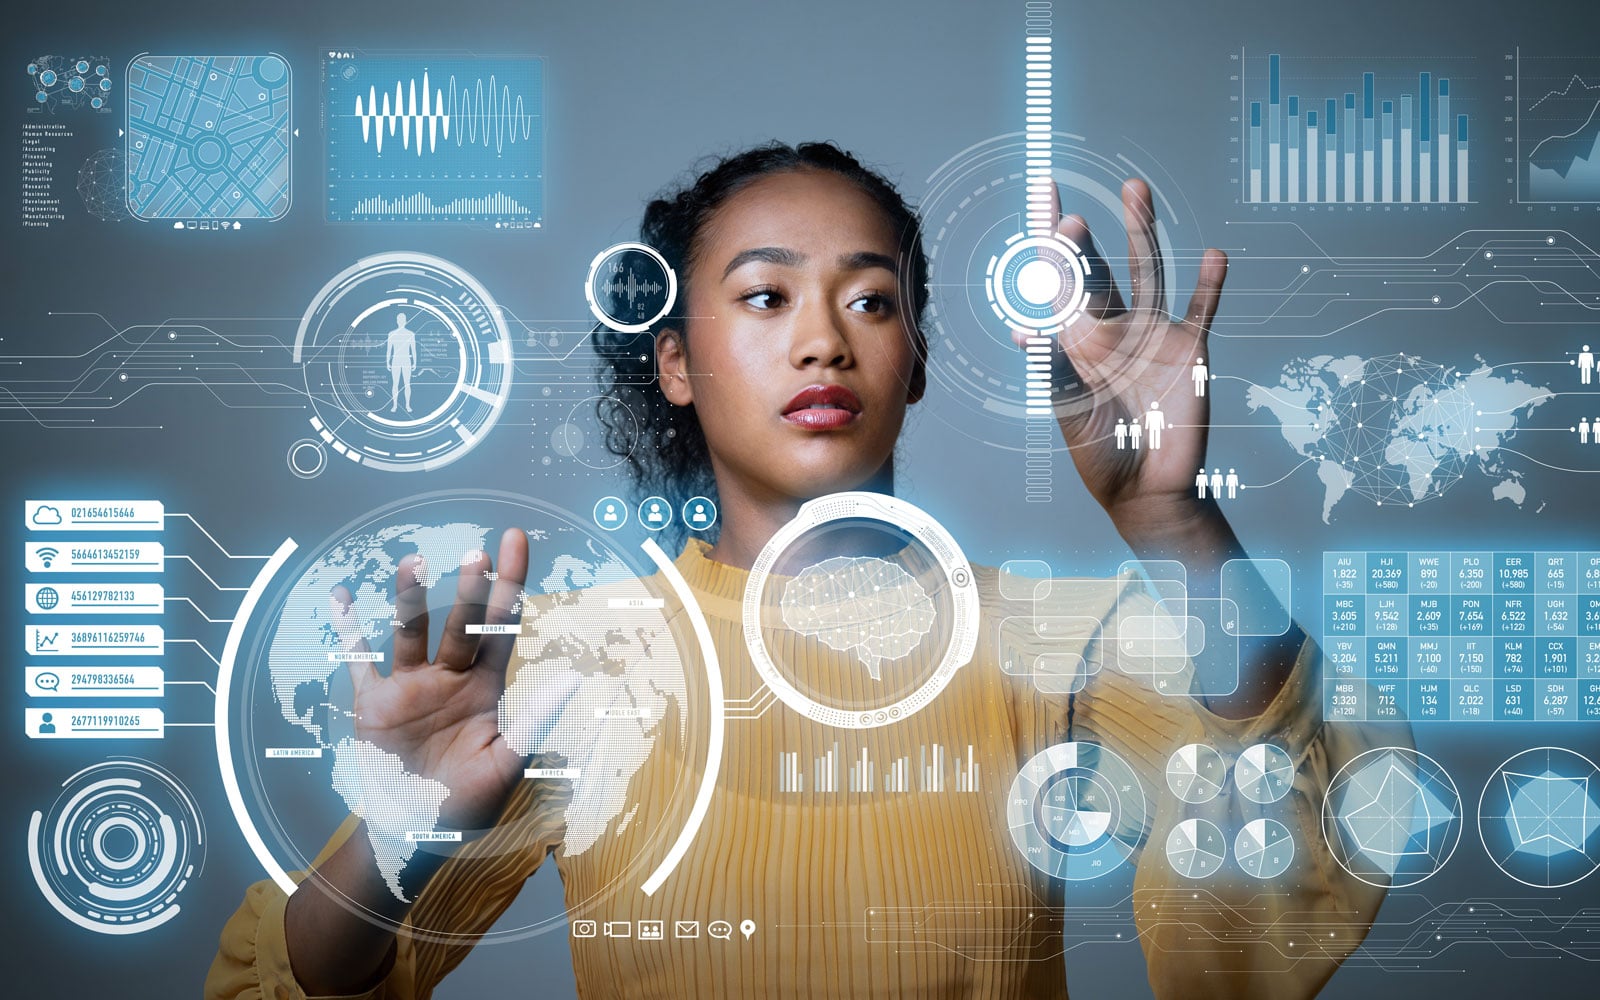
[[47, 555]]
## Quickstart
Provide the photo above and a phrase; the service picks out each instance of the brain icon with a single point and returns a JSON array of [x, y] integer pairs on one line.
[[869, 607]]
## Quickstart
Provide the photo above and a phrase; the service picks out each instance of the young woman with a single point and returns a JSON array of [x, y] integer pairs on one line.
[[786, 376]]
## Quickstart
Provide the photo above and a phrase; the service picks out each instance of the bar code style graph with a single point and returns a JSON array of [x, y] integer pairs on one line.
[[1387, 139], [930, 771]]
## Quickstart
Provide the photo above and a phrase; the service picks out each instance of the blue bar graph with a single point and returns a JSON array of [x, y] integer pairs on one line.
[[1388, 148]]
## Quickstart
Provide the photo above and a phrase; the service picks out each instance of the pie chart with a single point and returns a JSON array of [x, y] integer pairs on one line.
[[1264, 773], [1076, 811], [1196, 773], [1264, 848], [1196, 848]]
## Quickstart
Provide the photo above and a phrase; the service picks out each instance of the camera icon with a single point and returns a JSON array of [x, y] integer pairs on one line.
[[585, 929]]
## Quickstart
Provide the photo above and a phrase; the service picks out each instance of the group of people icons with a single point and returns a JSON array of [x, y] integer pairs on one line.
[[1217, 483], [1589, 433], [1130, 433], [655, 513], [1586, 365]]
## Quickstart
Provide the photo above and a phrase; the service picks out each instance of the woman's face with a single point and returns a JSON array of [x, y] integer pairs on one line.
[[800, 358]]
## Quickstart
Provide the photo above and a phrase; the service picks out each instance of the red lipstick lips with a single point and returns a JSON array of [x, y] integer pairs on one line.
[[823, 408]]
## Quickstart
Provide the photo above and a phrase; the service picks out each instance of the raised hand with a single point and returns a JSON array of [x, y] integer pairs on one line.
[[440, 715], [1121, 359]]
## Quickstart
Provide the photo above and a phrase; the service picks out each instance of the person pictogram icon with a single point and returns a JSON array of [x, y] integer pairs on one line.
[[400, 357], [47, 726]]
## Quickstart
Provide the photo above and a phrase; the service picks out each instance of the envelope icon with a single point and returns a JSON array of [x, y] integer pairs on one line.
[[686, 928]]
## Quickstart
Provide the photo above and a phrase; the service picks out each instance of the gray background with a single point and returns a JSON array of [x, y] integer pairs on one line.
[[636, 93]]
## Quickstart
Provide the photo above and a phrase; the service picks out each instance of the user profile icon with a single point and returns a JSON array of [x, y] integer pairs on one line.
[[699, 513], [610, 513], [655, 513]]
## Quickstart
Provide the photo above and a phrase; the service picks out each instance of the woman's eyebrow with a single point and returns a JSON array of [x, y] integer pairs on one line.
[[863, 260], [771, 255]]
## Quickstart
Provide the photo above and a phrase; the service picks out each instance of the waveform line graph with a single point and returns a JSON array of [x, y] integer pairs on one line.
[[486, 112], [632, 288], [414, 137]]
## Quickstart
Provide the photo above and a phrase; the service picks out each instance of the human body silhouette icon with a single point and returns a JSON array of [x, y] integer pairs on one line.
[[400, 357]]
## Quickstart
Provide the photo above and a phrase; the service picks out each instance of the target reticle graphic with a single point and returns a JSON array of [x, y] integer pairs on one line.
[[1392, 817], [630, 286], [1076, 811], [1264, 773], [1539, 817], [118, 847], [1196, 773], [1039, 282], [407, 360], [1402, 429], [985, 257]]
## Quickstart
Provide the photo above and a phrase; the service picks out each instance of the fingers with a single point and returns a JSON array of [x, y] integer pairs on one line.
[[1207, 291], [411, 611], [505, 600], [1144, 248], [1105, 298], [347, 626], [458, 647]]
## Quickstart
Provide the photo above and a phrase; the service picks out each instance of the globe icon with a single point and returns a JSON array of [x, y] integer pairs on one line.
[[47, 598], [1401, 427]]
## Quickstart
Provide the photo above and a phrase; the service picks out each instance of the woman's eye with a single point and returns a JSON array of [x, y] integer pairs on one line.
[[762, 298], [872, 304]]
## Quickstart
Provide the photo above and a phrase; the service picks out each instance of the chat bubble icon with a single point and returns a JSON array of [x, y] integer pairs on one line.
[[47, 681], [720, 929]]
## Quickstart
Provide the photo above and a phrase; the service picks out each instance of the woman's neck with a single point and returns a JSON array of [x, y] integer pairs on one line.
[[751, 515]]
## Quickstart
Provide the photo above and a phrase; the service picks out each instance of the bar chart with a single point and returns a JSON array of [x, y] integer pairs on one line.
[[1389, 139], [931, 772]]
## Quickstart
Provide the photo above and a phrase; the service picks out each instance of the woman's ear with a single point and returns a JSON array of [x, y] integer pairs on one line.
[[918, 385], [672, 367]]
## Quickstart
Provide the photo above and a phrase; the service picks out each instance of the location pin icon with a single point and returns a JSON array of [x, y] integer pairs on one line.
[[747, 928]]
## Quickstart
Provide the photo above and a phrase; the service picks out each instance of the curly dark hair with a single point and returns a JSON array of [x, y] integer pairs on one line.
[[662, 444]]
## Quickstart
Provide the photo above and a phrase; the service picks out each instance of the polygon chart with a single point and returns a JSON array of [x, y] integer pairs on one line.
[[1196, 848], [1392, 817], [1076, 811], [1264, 848], [208, 137], [1196, 773], [1538, 817], [1264, 773]]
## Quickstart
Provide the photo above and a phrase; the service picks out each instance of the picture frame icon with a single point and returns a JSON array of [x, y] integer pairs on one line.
[[652, 930], [585, 929]]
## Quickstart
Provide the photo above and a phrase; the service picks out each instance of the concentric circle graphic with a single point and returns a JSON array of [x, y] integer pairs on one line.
[[1076, 811], [121, 843], [988, 276], [630, 286], [408, 362], [1392, 817], [873, 609]]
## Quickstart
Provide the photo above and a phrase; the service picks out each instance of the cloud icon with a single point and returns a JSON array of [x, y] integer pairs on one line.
[[46, 514]]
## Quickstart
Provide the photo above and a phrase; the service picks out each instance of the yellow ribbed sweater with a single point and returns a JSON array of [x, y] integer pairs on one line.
[[887, 894]]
